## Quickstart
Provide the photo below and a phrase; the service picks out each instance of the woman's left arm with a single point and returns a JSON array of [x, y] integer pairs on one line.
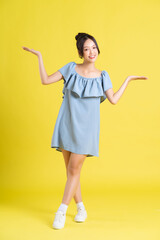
[[114, 97]]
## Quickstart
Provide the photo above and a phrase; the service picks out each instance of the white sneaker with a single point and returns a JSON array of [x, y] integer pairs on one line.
[[81, 215], [59, 220]]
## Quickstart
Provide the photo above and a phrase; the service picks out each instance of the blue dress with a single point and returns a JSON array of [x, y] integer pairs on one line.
[[77, 126]]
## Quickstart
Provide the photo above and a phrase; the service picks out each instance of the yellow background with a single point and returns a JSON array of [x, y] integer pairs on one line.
[[120, 188]]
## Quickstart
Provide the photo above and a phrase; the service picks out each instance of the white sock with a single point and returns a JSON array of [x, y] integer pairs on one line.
[[80, 204], [63, 207]]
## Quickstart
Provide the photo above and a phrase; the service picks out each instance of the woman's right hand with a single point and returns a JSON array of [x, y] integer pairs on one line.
[[37, 53]]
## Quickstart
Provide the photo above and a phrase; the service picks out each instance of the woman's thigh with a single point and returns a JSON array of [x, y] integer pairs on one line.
[[66, 156]]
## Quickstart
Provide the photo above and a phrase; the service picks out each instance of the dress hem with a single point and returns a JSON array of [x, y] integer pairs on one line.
[[58, 148]]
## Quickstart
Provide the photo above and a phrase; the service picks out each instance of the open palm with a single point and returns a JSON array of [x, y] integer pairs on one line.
[[37, 53], [137, 77]]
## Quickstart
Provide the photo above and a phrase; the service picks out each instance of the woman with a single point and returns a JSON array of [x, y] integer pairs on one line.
[[76, 132]]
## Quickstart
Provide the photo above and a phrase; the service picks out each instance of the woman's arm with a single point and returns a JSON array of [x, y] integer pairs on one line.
[[42, 71], [114, 97], [45, 79]]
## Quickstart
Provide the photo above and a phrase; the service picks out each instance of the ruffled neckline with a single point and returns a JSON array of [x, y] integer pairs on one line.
[[75, 64], [84, 87]]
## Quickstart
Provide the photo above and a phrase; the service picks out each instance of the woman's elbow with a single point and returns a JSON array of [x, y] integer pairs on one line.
[[114, 102], [44, 81]]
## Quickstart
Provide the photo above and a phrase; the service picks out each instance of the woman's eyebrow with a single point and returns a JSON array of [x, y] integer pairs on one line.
[[88, 46]]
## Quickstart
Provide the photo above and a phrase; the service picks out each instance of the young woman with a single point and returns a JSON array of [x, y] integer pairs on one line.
[[76, 132]]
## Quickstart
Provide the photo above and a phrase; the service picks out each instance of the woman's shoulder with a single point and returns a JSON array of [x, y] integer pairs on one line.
[[67, 66], [78, 69]]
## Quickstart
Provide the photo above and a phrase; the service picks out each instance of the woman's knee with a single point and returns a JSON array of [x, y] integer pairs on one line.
[[72, 170]]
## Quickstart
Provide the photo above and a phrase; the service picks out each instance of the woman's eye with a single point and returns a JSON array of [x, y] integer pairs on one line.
[[87, 49]]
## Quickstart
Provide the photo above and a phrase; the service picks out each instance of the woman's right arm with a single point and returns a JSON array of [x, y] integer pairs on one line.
[[45, 79]]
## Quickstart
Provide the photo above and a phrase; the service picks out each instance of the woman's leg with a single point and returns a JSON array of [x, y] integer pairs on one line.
[[73, 176], [77, 195]]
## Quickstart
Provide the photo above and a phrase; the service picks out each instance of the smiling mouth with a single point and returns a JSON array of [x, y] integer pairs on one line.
[[92, 57]]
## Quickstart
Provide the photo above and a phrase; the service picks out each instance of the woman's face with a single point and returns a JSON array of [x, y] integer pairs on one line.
[[90, 51]]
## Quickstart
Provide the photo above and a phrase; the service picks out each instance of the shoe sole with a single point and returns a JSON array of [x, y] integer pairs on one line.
[[80, 220], [57, 227]]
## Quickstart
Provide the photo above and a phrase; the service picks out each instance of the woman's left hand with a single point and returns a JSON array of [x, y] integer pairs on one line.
[[136, 78]]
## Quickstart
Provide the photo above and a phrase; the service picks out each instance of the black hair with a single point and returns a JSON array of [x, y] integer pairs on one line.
[[81, 38]]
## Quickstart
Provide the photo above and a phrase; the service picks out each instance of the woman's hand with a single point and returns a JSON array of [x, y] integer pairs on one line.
[[37, 53], [136, 78], [114, 97], [42, 70]]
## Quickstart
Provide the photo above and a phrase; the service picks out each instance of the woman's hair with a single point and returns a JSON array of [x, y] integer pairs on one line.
[[81, 38]]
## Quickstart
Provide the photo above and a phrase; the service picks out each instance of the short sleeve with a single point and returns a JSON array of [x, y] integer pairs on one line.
[[107, 84], [66, 71]]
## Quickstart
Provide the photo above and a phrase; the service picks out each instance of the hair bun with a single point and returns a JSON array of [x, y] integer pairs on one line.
[[79, 35]]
